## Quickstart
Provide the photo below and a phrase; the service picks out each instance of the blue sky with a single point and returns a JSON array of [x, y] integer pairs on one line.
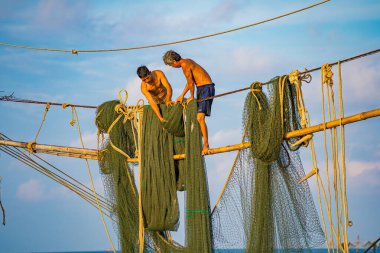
[[43, 216]]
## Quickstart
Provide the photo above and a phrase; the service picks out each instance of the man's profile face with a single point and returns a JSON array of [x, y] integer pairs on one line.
[[147, 78], [175, 64]]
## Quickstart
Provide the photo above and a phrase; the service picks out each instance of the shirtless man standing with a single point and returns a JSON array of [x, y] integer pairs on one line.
[[194, 74], [155, 88]]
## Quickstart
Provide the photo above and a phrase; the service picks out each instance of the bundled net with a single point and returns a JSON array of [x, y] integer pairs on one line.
[[117, 175], [198, 222], [263, 208], [161, 178]]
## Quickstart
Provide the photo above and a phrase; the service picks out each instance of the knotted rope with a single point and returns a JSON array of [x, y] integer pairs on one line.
[[296, 79], [327, 74], [32, 144], [129, 113]]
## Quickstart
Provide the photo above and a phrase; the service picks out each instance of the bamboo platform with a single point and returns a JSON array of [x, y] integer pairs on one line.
[[93, 154]]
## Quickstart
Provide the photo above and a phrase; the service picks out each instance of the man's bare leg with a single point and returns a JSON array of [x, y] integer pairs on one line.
[[202, 124]]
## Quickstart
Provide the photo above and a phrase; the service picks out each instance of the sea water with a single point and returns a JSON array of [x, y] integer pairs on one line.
[[219, 251]]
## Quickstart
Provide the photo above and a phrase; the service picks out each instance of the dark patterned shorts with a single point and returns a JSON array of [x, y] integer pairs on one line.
[[205, 91]]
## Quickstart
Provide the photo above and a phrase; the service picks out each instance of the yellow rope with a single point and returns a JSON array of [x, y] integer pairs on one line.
[[32, 144], [73, 51], [281, 86], [295, 78], [231, 171], [254, 90], [337, 239], [343, 158], [92, 183], [141, 219], [328, 200], [129, 113], [338, 230]]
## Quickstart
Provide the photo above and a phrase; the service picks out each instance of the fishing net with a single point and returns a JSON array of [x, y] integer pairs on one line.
[[198, 223], [263, 208], [161, 178], [117, 175]]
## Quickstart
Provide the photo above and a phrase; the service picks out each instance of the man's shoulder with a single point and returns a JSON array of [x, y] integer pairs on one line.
[[188, 63], [157, 72]]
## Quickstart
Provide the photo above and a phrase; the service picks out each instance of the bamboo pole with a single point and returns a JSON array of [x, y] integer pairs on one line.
[[93, 153], [39, 147]]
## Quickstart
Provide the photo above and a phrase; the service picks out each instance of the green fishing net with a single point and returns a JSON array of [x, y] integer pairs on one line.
[[263, 207], [161, 178]]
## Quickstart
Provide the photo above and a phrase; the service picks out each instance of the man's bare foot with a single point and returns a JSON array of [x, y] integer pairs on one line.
[[205, 150]]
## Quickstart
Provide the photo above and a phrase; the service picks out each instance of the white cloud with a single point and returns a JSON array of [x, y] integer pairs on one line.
[[32, 191], [360, 80], [357, 168], [90, 140], [225, 137], [35, 191]]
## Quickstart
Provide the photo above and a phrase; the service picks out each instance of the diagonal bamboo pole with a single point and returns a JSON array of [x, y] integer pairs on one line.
[[93, 153]]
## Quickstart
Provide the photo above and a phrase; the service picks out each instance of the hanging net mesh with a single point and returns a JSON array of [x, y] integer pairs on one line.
[[262, 208], [161, 178]]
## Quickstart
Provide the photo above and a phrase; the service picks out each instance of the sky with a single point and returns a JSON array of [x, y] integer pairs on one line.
[[43, 216]]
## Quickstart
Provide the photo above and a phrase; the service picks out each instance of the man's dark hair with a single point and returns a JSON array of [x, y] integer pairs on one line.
[[171, 56], [142, 71]]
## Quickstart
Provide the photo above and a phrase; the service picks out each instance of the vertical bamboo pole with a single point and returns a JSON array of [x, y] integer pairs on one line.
[[141, 220]]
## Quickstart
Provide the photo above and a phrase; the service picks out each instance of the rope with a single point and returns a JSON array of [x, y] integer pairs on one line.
[[296, 79], [343, 155], [31, 145], [17, 154], [29, 161], [92, 183], [141, 215], [231, 172], [338, 231], [129, 113], [304, 72], [256, 87], [11, 98], [74, 51]]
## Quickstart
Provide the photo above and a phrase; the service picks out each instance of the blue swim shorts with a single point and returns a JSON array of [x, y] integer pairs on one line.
[[205, 91]]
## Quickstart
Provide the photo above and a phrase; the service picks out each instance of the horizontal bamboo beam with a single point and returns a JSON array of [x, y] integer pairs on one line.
[[334, 123], [55, 150], [93, 153]]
